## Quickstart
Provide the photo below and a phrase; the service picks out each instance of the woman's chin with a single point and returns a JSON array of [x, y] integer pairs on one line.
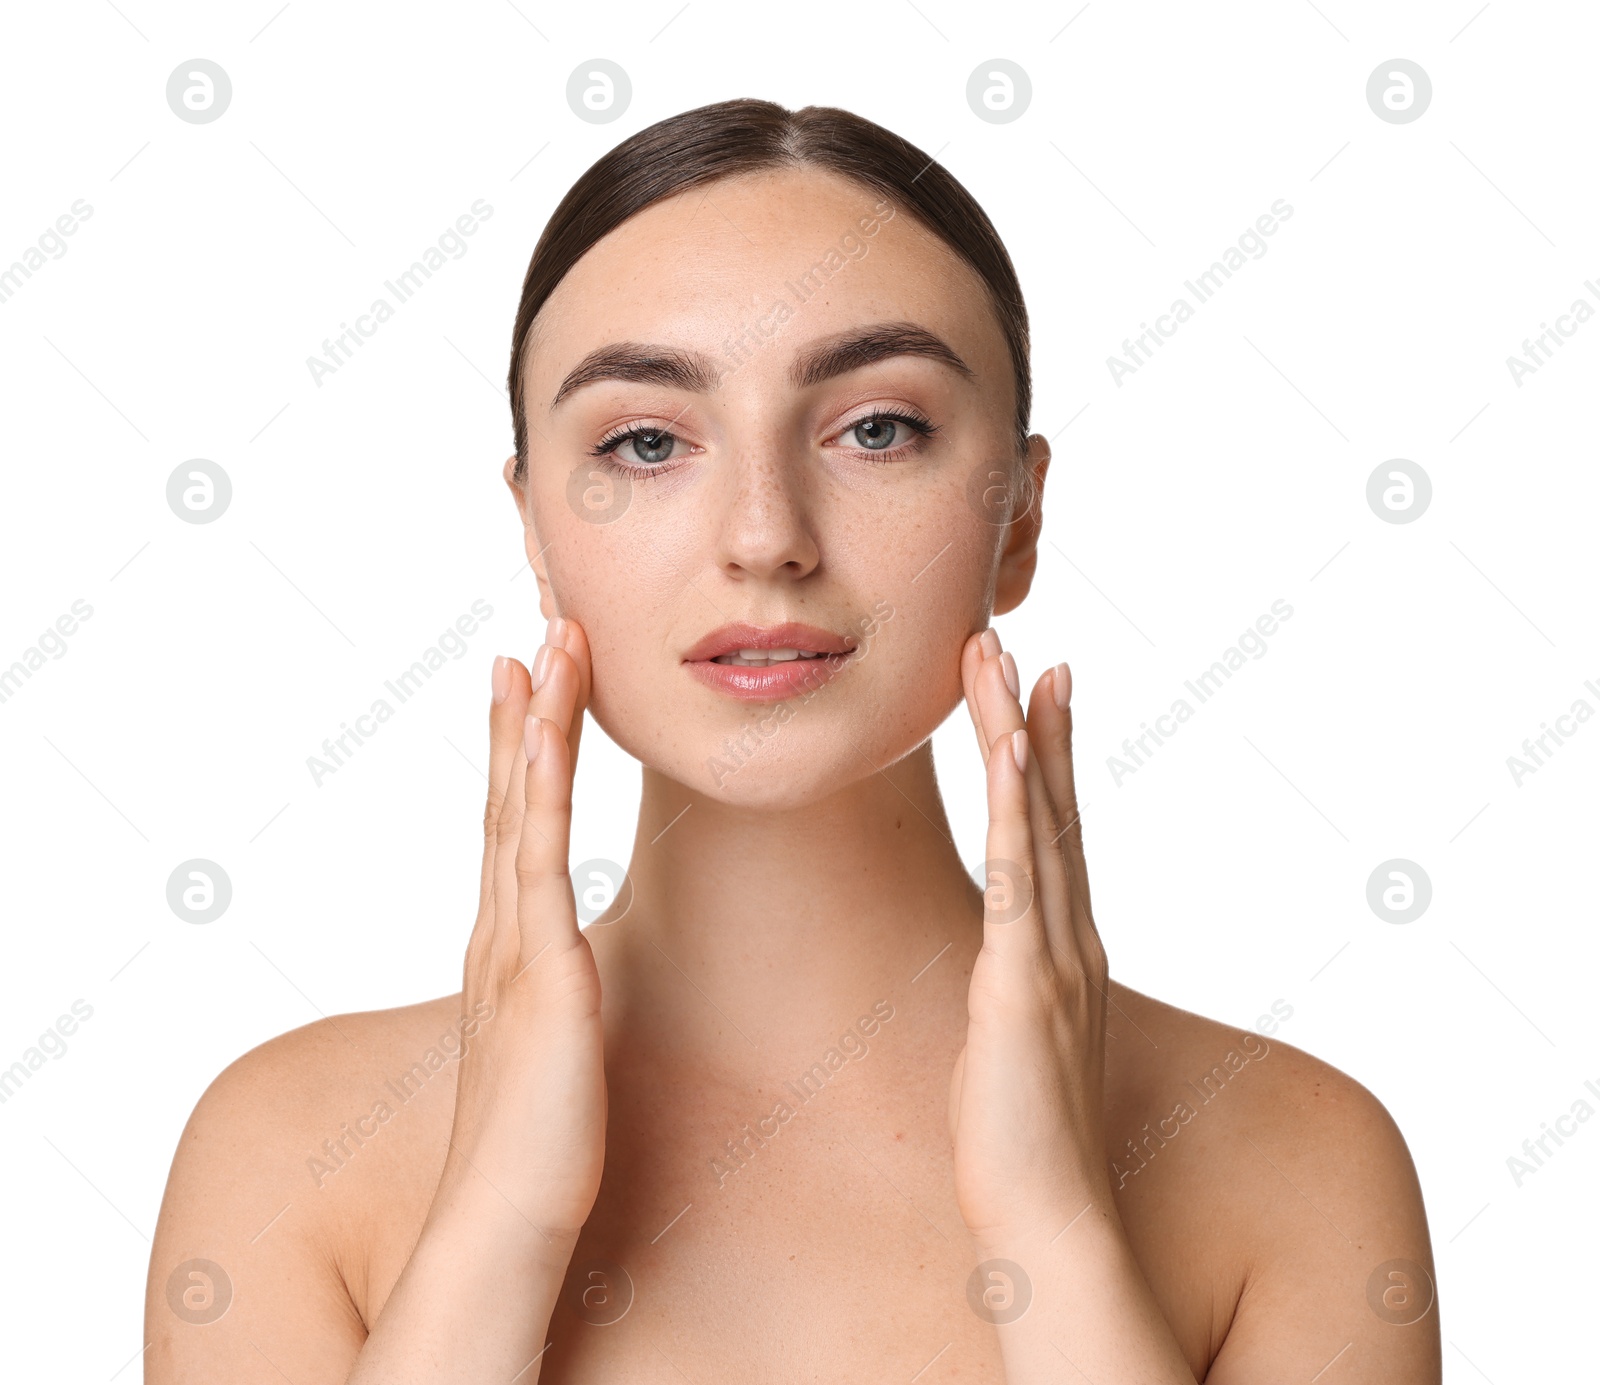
[[776, 757], [767, 777]]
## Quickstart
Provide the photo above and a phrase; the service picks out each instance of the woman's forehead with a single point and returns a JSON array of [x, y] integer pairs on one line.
[[719, 264]]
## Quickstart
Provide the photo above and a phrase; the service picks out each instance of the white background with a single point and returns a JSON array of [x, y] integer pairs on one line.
[[368, 514]]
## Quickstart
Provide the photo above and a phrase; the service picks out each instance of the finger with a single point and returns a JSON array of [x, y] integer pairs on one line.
[[1050, 719], [555, 678], [507, 709], [563, 680], [1013, 920], [576, 642], [978, 647], [555, 684], [1002, 716], [544, 909], [997, 687], [1050, 728], [508, 827]]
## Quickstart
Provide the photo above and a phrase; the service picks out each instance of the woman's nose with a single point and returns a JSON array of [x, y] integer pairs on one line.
[[764, 528]]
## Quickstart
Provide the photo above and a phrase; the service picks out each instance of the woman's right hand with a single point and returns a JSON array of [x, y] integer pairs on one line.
[[527, 1147]]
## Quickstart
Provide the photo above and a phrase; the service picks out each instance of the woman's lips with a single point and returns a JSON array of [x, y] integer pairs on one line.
[[774, 682], [778, 680]]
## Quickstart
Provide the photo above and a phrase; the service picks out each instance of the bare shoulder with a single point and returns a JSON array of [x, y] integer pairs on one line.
[[1302, 1180], [311, 1095], [1299, 1096], [265, 1230]]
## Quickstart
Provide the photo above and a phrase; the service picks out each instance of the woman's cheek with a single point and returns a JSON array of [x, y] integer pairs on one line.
[[948, 599]]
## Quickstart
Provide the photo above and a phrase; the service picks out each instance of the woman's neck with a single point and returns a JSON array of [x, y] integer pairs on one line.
[[776, 926]]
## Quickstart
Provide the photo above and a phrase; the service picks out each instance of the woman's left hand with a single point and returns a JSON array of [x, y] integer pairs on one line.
[[1027, 1093]]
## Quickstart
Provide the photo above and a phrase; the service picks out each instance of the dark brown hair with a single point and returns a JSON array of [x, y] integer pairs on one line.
[[729, 138]]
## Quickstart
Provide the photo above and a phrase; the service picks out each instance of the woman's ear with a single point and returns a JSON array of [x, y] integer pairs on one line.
[[530, 537], [1020, 556], [516, 487]]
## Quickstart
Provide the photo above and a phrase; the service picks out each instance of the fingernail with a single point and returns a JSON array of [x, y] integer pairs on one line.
[[532, 741], [1061, 685], [500, 680], [541, 666], [1008, 666], [555, 633], [989, 642], [1019, 749]]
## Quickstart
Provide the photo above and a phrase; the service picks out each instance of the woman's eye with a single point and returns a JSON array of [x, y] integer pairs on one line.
[[645, 446], [884, 432], [877, 433]]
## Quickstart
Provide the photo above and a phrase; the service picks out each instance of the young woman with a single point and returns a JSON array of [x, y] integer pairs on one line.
[[801, 1104]]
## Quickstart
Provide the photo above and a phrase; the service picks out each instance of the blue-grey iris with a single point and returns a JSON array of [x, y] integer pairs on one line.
[[875, 433], [652, 447]]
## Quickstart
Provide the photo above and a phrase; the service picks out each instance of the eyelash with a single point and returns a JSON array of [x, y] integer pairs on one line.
[[603, 449], [922, 426]]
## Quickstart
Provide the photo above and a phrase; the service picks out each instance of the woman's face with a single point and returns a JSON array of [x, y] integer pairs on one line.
[[775, 400]]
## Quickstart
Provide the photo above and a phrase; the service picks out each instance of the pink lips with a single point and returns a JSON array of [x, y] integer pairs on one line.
[[775, 682]]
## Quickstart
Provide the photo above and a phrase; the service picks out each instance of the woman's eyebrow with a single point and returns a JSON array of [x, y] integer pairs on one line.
[[861, 346], [647, 365], [698, 373]]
